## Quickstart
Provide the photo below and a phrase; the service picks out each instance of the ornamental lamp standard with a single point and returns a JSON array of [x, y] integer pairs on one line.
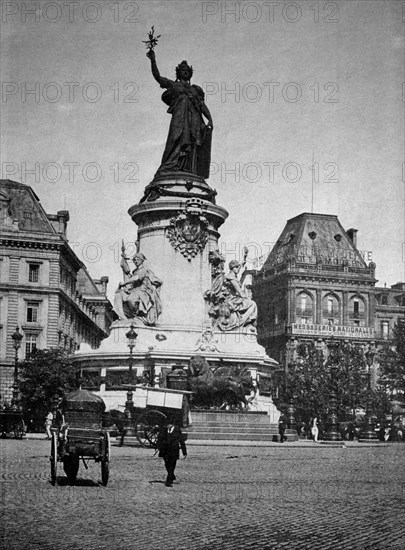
[[16, 337], [333, 433], [368, 432], [131, 335]]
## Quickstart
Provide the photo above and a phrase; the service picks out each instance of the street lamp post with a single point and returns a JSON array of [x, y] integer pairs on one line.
[[292, 425], [129, 404], [16, 337], [333, 433], [368, 432]]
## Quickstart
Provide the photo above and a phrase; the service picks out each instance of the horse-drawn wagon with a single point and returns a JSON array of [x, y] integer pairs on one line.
[[80, 435]]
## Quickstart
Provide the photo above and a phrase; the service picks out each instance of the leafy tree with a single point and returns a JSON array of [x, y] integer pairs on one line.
[[44, 377], [309, 381], [392, 364]]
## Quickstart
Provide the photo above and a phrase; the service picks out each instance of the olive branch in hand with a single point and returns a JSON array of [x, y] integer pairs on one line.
[[152, 39]]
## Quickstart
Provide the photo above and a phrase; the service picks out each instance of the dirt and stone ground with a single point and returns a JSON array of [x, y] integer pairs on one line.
[[281, 496]]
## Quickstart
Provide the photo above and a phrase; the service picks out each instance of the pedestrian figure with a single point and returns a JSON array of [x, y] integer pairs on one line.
[[281, 428], [351, 432], [397, 431], [169, 442], [48, 425], [315, 429], [381, 433]]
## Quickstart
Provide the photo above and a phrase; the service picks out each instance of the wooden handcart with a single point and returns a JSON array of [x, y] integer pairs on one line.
[[80, 436], [163, 406]]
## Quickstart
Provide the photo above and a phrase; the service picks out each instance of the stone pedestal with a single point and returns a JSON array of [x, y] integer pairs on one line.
[[178, 224], [175, 233]]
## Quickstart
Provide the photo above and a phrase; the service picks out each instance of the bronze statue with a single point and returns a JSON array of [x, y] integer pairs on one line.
[[221, 387], [188, 144], [138, 297], [229, 305]]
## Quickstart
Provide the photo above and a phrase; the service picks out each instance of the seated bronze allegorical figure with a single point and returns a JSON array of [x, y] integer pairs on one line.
[[229, 305], [138, 297]]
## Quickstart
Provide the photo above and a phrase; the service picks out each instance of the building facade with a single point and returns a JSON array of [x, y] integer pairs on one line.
[[45, 289], [315, 284], [389, 305]]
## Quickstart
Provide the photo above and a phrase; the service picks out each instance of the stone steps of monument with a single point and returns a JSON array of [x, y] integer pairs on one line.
[[240, 436], [216, 431], [231, 425], [234, 429], [234, 425], [225, 418], [234, 436]]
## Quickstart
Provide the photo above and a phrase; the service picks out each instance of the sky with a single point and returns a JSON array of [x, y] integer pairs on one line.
[[307, 101]]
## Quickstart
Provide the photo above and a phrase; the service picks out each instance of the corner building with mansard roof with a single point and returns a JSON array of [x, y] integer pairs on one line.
[[45, 289], [315, 284]]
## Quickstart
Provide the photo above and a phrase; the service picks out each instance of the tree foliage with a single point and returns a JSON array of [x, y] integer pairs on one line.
[[310, 379], [44, 378], [392, 364]]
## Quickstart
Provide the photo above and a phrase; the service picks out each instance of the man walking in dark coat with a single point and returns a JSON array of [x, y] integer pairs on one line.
[[282, 424], [169, 442]]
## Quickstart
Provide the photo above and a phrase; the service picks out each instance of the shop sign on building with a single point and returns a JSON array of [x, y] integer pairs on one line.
[[332, 330]]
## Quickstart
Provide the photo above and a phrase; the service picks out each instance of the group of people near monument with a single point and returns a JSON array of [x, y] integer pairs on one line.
[[349, 431]]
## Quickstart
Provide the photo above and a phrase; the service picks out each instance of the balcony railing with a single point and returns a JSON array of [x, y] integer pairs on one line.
[[330, 314], [357, 315], [304, 312]]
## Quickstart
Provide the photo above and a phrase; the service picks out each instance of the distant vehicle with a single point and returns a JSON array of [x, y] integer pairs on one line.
[[11, 422]]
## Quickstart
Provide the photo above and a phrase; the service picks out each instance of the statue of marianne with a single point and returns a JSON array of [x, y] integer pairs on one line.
[[188, 144]]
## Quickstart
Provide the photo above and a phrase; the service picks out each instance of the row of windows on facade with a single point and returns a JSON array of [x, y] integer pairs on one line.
[[65, 342], [356, 304], [83, 333], [332, 310], [66, 279], [331, 304], [69, 323], [331, 313]]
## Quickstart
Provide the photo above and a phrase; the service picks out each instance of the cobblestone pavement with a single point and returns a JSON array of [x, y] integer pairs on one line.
[[225, 498]]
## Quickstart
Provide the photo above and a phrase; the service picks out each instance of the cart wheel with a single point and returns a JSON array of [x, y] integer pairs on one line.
[[19, 430], [105, 461], [148, 427], [54, 457], [71, 467]]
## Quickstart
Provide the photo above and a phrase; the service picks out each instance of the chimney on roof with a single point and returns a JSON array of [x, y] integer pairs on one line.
[[63, 218], [398, 286], [352, 234], [101, 284]]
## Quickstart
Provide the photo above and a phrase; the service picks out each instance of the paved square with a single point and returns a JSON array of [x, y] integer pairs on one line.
[[310, 497]]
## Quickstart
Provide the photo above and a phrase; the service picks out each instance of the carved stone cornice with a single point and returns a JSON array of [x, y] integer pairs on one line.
[[25, 243]]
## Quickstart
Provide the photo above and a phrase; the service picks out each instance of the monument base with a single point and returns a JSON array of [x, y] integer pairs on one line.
[[177, 238], [157, 349]]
